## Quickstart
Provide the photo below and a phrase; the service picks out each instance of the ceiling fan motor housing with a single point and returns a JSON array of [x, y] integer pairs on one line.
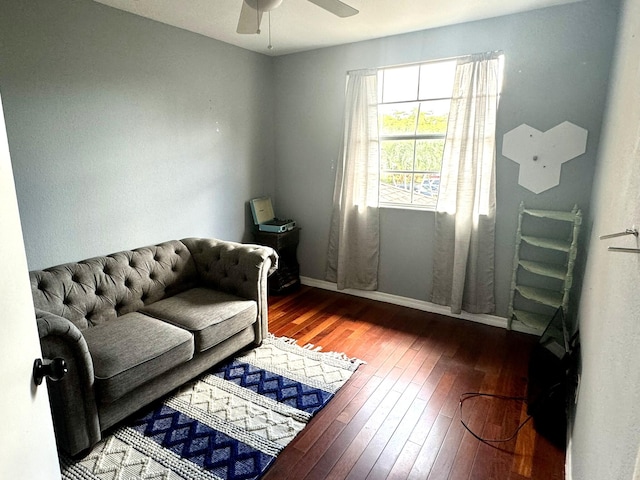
[[263, 5]]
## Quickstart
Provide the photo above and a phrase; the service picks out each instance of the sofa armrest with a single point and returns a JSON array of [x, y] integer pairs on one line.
[[237, 268], [72, 399]]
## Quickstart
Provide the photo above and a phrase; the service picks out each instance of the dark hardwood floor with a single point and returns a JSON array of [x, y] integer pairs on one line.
[[398, 416]]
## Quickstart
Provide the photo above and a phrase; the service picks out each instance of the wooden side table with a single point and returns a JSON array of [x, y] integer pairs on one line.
[[287, 277]]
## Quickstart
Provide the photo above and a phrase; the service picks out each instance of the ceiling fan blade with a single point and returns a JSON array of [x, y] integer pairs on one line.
[[336, 7], [249, 21]]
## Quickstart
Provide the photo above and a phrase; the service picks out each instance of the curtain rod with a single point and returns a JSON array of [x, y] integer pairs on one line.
[[420, 62]]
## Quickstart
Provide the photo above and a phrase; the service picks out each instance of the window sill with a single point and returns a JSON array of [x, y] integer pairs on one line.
[[413, 208]]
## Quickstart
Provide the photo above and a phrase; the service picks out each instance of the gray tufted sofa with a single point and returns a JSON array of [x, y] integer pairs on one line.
[[134, 325]]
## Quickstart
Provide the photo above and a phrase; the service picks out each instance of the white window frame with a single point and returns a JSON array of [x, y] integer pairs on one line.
[[415, 137]]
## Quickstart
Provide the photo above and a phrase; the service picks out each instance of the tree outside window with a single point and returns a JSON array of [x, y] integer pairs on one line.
[[413, 109]]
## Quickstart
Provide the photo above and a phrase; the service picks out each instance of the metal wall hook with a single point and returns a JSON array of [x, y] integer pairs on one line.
[[623, 249], [628, 231], [54, 370]]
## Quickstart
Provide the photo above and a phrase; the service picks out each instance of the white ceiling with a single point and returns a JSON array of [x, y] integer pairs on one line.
[[299, 25]]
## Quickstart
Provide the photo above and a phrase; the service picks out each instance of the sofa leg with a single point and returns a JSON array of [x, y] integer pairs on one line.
[[81, 454], [250, 346]]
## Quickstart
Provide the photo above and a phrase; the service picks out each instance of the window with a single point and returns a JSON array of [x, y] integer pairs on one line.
[[413, 109]]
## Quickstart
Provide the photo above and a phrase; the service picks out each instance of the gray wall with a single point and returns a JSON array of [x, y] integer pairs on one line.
[[125, 132], [557, 64], [606, 435]]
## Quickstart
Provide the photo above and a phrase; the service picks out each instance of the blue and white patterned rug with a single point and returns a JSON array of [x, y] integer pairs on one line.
[[230, 423]]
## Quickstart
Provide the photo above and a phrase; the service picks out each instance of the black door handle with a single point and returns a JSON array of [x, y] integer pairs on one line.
[[54, 370]]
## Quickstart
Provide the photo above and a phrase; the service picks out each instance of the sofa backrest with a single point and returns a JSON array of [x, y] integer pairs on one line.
[[99, 289], [231, 267]]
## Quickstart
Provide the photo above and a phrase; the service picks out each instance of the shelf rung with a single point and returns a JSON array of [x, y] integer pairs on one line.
[[546, 269], [541, 295], [552, 214], [550, 243], [536, 321]]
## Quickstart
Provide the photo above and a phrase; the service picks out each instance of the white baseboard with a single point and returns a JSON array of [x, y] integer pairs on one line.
[[425, 306]]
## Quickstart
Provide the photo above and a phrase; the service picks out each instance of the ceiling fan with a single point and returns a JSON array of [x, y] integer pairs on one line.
[[252, 10]]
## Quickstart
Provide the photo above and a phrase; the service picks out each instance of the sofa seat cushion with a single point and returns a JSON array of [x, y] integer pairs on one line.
[[133, 349], [212, 316]]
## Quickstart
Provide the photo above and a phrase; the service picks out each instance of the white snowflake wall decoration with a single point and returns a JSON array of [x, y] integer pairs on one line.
[[541, 154]]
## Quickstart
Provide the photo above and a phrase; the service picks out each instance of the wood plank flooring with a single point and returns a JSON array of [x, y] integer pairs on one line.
[[398, 416]]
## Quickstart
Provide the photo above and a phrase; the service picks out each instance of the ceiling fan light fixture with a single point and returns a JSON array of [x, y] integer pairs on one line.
[[263, 5]]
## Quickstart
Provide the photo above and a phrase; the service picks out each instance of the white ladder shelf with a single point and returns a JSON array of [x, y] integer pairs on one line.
[[543, 265]]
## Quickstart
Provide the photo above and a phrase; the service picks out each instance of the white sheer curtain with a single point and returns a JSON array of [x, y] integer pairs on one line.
[[352, 260], [463, 268]]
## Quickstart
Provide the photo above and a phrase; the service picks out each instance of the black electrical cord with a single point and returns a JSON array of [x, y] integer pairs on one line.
[[466, 396]]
